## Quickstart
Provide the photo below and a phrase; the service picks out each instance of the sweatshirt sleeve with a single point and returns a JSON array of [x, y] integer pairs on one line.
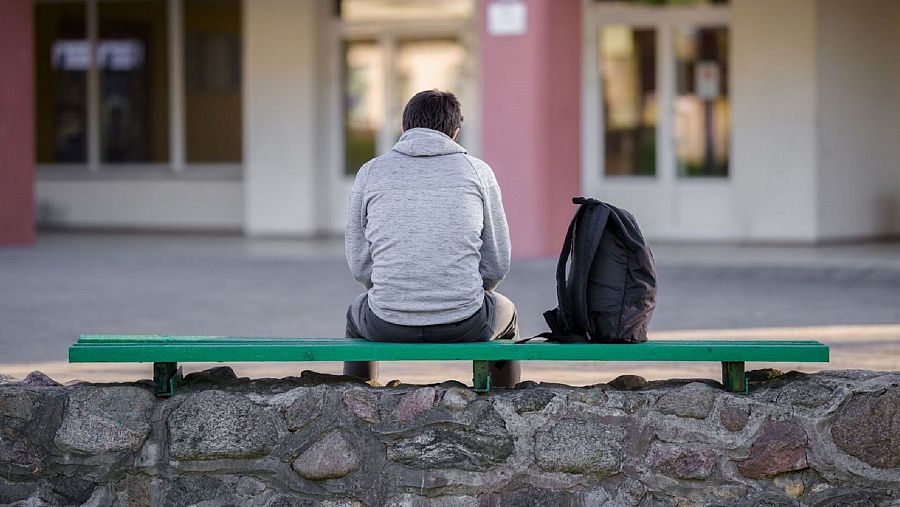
[[356, 246], [495, 248]]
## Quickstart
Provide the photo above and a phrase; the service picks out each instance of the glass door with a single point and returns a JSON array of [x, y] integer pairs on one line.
[[381, 75], [382, 52], [702, 106], [657, 127], [630, 103]]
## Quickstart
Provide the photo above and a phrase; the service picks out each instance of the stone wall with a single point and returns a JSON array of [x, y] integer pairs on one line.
[[829, 439]]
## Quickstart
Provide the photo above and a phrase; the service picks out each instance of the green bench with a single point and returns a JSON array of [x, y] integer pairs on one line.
[[165, 352]]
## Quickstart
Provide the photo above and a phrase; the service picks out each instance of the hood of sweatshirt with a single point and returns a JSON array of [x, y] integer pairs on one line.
[[422, 142]]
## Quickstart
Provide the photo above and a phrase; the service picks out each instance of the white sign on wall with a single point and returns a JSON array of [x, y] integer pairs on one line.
[[707, 80], [507, 18]]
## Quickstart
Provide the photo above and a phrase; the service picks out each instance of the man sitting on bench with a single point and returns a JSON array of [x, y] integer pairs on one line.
[[427, 236]]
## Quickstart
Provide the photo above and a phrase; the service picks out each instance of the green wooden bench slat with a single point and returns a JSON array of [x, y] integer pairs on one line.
[[160, 339], [249, 349]]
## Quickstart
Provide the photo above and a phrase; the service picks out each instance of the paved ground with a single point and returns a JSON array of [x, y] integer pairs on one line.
[[129, 284]]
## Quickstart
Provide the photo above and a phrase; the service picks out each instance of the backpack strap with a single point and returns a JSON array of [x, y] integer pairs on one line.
[[592, 226], [558, 318], [571, 316], [553, 338]]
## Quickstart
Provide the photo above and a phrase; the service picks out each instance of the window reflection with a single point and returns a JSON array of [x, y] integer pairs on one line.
[[702, 110], [628, 72], [426, 65], [212, 70], [134, 88], [62, 57], [364, 106]]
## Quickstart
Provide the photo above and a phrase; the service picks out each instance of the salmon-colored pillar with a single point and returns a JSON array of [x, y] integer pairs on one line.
[[531, 115], [16, 123]]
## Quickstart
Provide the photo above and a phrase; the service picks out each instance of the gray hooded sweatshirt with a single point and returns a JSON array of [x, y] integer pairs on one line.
[[426, 231]]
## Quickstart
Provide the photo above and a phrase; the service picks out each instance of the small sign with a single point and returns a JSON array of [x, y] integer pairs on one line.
[[707, 80], [507, 18]]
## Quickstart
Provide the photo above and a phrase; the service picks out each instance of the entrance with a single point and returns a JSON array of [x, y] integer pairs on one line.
[[388, 52], [657, 126]]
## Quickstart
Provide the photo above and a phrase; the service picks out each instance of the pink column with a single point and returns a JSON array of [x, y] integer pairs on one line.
[[531, 121], [16, 123]]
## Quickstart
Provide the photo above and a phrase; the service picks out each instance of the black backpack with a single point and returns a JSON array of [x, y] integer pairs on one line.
[[609, 293]]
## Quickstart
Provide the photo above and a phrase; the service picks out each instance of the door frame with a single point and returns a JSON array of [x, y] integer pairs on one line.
[[664, 189]]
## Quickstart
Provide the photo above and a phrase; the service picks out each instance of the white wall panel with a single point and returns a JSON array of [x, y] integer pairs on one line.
[[280, 117], [141, 204], [858, 107], [774, 112]]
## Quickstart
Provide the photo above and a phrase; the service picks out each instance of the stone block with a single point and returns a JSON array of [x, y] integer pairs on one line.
[[16, 450], [16, 404], [202, 490], [536, 497], [780, 447], [105, 419], [683, 461], [694, 400], [330, 458], [628, 382], [452, 445], [38, 379], [414, 403], [215, 425], [363, 404], [411, 500], [458, 398], [592, 396], [306, 407], [734, 416], [868, 428], [580, 446], [532, 400], [219, 374]]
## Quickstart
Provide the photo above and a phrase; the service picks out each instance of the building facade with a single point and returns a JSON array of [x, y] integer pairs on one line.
[[731, 120]]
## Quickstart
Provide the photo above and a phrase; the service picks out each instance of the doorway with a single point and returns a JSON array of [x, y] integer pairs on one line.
[[383, 53], [656, 126]]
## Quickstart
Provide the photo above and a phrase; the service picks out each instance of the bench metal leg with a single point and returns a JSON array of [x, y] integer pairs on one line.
[[733, 377], [481, 376], [165, 377]]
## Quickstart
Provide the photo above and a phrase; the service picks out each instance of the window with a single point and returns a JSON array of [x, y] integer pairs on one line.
[[364, 102], [428, 64], [628, 75], [143, 97], [387, 60], [212, 69], [702, 112], [62, 58], [133, 64]]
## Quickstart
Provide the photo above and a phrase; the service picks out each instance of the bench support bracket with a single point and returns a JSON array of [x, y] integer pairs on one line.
[[165, 377], [733, 377], [481, 376]]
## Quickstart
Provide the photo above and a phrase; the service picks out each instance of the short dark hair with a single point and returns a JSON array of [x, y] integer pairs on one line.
[[435, 110]]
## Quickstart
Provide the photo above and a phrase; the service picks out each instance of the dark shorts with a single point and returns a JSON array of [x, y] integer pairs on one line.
[[496, 319]]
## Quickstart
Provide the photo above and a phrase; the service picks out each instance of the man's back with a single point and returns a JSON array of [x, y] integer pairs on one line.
[[426, 231]]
